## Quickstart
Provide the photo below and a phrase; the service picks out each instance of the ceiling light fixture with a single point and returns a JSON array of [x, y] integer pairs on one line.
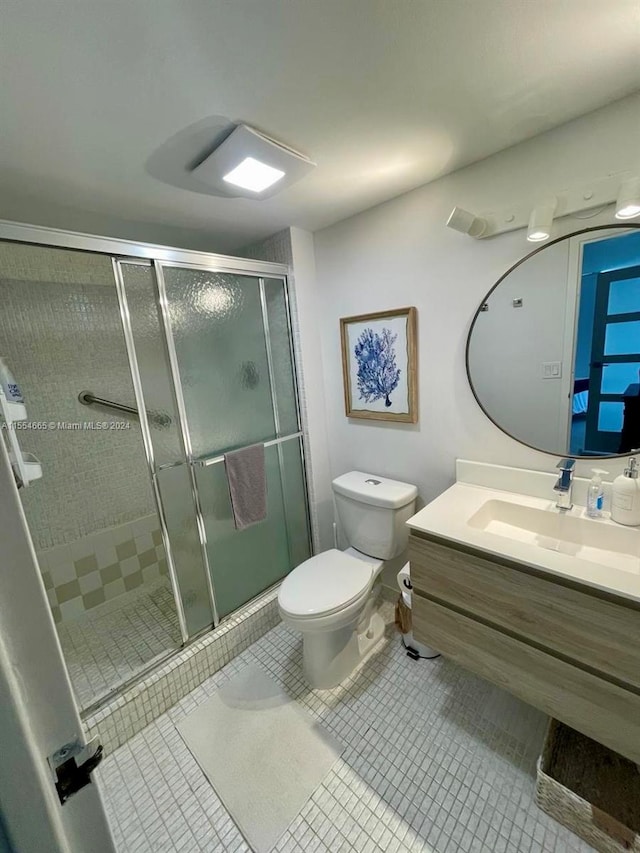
[[465, 222], [541, 221], [253, 175], [248, 163], [628, 201]]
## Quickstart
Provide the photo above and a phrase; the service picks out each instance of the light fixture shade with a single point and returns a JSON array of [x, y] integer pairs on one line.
[[253, 175], [467, 223], [541, 221], [251, 165], [628, 202]]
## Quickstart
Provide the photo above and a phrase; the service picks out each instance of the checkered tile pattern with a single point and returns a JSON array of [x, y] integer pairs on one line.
[[436, 760], [112, 643], [103, 566]]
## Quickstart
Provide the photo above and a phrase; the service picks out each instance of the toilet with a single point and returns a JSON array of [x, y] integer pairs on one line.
[[329, 598]]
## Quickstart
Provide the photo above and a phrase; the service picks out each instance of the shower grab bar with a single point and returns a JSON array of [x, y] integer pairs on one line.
[[213, 460], [89, 399]]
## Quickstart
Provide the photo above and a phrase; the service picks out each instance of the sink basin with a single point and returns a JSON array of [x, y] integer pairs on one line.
[[509, 513], [589, 539]]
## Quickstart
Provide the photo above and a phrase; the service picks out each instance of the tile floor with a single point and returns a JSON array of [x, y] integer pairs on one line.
[[435, 760], [118, 639]]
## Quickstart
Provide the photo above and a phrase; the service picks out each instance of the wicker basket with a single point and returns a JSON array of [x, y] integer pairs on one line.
[[590, 789]]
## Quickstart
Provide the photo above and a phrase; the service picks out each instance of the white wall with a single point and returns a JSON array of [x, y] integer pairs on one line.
[[400, 253]]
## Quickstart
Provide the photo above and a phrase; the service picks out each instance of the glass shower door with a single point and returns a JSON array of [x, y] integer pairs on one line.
[[171, 473], [230, 344]]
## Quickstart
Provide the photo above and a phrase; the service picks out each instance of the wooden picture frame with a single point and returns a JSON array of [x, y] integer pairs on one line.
[[379, 365]]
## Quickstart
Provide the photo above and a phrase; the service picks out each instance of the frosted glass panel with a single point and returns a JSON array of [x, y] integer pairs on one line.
[[624, 296], [616, 378], [175, 490], [282, 367], [219, 337], [610, 417], [622, 338], [233, 352], [152, 363], [295, 502], [243, 562]]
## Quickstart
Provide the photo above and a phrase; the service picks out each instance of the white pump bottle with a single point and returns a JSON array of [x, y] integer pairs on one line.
[[625, 496]]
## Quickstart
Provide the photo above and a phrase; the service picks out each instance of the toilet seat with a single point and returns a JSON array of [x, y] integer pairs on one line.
[[325, 584]]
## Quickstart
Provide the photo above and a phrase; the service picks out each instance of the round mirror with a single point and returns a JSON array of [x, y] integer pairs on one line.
[[553, 355]]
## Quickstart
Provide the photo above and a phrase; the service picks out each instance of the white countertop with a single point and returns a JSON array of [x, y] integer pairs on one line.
[[449, 514]]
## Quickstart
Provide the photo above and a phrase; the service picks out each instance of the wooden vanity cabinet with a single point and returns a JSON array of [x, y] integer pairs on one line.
[[561, 646]]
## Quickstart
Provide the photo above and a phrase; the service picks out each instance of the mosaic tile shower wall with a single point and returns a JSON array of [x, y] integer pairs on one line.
[[60, 333]]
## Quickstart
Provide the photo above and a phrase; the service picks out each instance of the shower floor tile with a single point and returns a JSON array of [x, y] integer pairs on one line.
[[436, 760], [119, 639]]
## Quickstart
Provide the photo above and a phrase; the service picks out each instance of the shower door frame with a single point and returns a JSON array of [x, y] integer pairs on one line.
[[123, 251]]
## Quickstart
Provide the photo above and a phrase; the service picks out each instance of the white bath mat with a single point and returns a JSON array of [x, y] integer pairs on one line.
[[263, 754]]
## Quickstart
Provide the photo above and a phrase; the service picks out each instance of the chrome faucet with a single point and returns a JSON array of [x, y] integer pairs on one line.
[[564, 485]]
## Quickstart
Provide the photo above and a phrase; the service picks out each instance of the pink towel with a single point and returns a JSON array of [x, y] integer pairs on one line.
[[247, 485]]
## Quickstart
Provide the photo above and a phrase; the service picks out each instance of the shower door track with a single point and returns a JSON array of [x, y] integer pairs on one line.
[[129, 250]]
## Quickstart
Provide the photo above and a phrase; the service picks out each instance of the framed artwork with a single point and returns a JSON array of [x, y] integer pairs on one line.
[[379, 365]]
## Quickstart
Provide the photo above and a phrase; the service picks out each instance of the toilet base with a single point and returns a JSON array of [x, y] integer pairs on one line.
[[329, 658], [370, 639]]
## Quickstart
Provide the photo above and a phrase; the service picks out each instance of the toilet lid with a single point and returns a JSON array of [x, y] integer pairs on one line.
[[324, 583]]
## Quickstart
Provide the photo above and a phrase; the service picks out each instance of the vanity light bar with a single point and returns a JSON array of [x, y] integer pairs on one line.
[[619, 189]]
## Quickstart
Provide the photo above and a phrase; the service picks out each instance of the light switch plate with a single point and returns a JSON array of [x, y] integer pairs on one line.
[[551, 369]]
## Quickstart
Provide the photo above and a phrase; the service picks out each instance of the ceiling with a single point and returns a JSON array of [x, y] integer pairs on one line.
[[384, 95]]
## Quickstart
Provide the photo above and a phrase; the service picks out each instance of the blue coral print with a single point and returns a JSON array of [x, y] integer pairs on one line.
[[378, 374]]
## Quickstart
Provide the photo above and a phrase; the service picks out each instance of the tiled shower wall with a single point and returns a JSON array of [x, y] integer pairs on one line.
[[60, 333], [99, 567]]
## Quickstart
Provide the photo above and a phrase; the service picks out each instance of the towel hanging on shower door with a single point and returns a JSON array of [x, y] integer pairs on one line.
[[247, 485]]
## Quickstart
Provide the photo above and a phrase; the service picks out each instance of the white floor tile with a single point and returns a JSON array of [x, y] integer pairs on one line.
[[436, 761], [110, 645]]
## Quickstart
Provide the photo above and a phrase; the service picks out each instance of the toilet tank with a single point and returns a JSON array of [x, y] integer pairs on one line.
[[372, 512]]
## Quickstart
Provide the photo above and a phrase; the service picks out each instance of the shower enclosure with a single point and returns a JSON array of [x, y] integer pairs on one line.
[[147, 365]]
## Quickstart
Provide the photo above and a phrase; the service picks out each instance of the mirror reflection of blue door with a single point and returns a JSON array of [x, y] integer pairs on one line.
[[613, 413]]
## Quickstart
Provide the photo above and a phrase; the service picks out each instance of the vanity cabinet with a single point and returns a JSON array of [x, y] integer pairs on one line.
[[559, 645]]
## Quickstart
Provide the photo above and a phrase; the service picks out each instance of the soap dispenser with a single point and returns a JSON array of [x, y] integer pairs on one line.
[[625, 496], [595, 494]]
